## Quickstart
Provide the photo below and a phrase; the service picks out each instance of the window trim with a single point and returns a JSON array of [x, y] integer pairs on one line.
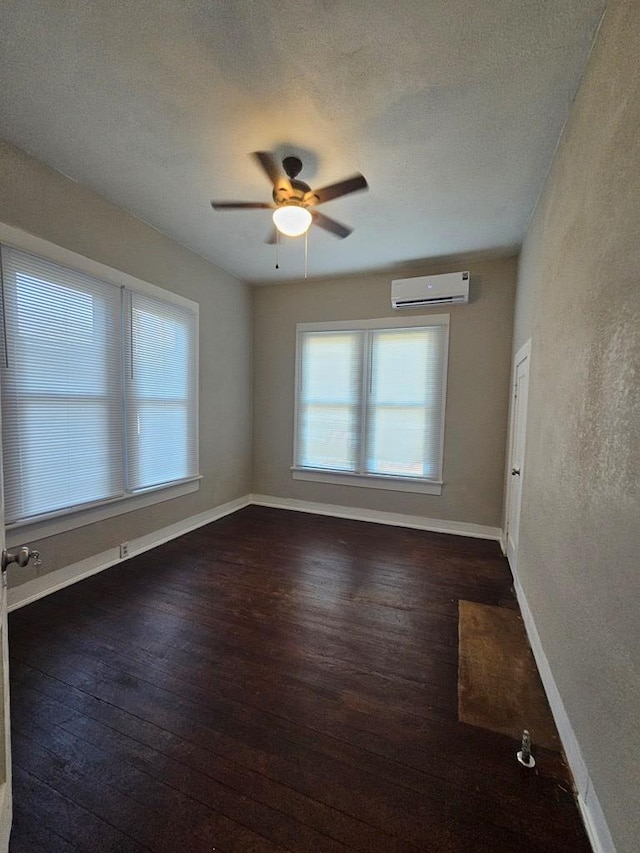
[[70, 519], [389, 482], [419, 485], [79, 516]]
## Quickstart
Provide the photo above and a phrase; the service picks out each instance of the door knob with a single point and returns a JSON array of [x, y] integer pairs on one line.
[[20, 557], [515, 471]]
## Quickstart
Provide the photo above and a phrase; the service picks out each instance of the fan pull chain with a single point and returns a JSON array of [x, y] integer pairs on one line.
[[306, 251], [277, 245]]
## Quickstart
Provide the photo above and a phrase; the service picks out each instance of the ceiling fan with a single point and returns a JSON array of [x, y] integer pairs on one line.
[[294, 201]]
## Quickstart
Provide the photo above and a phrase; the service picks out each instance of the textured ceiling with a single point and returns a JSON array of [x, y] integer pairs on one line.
[[450, 108]]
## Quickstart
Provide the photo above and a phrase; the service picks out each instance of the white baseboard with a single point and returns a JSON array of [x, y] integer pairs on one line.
[[592, 814], [32, 590], [435, 525]]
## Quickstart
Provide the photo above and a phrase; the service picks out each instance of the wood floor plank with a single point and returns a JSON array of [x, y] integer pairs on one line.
[[154, 816], [418, 694], [41, 805], [361, 649], [246, 782], [490, 769], [171, 700], [277, 681], [169, 785], [209, 604]]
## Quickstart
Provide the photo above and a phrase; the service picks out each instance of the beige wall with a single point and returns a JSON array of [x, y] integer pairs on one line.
[[579, 299], [477, 391], [43, 202]]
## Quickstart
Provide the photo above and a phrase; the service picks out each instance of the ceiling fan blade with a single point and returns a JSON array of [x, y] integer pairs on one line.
[[349, 185], [269, 165], [241, 205], [272, 237], [331, 225]]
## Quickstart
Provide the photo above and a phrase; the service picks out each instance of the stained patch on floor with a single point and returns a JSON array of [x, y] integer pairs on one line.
[[498, 683]]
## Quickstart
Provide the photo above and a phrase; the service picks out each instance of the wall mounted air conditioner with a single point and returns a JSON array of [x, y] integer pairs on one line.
[[425, 290]]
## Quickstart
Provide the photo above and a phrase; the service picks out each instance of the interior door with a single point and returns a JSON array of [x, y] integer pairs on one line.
[[517, 449]]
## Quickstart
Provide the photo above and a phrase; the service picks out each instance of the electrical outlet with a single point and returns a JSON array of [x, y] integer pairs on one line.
[[124, 550]]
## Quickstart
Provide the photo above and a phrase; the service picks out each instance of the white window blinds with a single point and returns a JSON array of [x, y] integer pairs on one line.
[[370, 401], [99, 389], [161, 393], [62, 388], [405, 404], [329, 416]]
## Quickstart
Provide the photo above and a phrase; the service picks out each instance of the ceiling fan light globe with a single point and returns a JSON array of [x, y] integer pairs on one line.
[[292, 220]]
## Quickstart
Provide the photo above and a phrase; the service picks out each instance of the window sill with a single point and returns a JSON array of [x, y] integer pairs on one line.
[[369, 481], [40, 528]]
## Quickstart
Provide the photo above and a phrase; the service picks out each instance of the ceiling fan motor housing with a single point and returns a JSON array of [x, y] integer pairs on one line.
[[290, 191]]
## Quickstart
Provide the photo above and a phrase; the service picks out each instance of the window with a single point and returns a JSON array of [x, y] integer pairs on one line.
[[370, 399], [99, 389], [161, 415]]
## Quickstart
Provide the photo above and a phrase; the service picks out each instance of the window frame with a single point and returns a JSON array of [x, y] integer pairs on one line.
[[135, 403], [63, 520], [390, 482]]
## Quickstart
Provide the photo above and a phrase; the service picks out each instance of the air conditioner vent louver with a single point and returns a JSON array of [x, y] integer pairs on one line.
[[427, 290], [416, 303]]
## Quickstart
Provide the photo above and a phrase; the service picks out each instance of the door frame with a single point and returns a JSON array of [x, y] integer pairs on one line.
[[6, 800], [522, 355]]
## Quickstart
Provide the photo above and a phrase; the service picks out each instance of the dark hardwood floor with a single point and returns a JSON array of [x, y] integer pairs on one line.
[[273, 681]]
